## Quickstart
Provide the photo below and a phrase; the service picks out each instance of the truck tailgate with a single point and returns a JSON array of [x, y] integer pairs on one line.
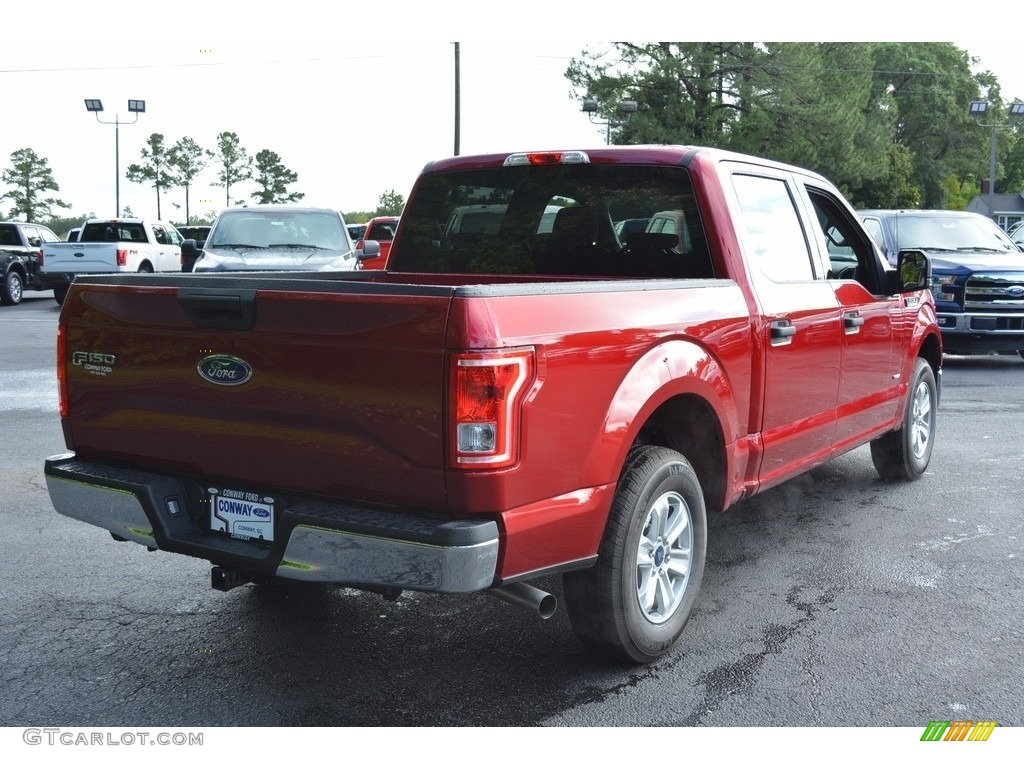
[[332, 388], [80, 257]]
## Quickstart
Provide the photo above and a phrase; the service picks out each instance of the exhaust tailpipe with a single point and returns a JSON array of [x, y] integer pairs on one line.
[[527, 596]]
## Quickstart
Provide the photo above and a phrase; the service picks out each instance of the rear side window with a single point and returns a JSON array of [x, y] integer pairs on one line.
[[572, 220], [9, 235], [776, 244]]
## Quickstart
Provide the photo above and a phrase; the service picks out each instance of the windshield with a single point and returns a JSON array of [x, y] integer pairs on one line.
[[952, 233], [249, 228]]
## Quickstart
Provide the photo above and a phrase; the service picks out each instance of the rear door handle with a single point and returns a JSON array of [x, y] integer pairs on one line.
[[782, 331]]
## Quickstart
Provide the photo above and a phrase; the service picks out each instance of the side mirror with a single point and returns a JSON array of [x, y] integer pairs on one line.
[[914, 269], [370, 249]]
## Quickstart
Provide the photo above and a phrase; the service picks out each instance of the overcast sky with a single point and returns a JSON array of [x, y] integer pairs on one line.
[[354, 113]]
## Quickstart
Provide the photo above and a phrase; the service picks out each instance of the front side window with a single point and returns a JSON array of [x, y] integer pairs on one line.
[[852, 256]]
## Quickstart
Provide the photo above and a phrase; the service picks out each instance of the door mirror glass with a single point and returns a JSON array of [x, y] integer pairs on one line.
[[914, 269]]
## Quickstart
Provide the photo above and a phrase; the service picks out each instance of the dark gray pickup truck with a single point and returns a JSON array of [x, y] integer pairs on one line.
[[20, 246]]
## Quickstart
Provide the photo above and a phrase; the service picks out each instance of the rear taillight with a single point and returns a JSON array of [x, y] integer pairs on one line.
[[122, 257], [40, 258], [62, 371], [487, 393]]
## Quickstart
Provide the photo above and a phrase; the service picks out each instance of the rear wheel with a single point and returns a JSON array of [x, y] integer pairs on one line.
[[13, 288], [904, 454], [633, 604], [145, 267], [59, 293]]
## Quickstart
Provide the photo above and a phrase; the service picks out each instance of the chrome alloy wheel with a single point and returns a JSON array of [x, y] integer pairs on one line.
[[921, 420], [663, 557]]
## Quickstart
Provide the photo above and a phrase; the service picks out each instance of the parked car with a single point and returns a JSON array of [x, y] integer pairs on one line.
[[21, 247], [382, 229], [193, 238], [276, 237], [626, 227], [356, 231], [197, 232], [509, 405], [110, 245], [1016, 234], [72, 235], [977, 274]]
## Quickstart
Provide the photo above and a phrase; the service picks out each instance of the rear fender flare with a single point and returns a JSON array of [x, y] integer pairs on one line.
[[674, 368]]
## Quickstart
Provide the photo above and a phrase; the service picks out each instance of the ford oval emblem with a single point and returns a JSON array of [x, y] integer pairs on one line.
[[224, 370], [1016, 291]]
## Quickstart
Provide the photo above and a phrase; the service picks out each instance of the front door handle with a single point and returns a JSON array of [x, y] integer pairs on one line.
[[852, 321]]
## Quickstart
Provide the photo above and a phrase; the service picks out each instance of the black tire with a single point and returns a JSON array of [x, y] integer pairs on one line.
[[13, 288], [904, 454], [633, 603], [60, 292], [145, 267]]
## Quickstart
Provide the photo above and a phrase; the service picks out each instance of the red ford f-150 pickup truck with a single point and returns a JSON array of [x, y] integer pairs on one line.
[[537, 396]]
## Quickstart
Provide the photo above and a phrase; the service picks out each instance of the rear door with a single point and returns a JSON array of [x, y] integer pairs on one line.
[[800, 324]]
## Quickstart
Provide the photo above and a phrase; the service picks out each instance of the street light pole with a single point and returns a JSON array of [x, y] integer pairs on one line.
[[136, 106], [978, 109], [626, 108]]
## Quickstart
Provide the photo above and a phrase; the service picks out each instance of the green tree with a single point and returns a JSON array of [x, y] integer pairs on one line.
[[686, 92], [235, 163], [390, 203], [892, 187], [61, 224], [273, 178], [930, 86], [884, 121], [187, 159], [156, 167], [30, 178]]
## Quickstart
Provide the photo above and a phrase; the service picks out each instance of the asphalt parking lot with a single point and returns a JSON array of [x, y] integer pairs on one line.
[[833, 600]]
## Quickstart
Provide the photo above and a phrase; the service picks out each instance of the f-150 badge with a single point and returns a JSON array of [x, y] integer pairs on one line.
[[224, 370]]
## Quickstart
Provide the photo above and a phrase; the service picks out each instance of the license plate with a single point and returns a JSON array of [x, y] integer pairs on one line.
[[241, 514]]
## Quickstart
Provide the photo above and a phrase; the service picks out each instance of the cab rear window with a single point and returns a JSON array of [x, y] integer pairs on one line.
[[573, 220]]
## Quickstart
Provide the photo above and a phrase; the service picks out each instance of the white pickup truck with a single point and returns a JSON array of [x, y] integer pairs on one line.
[[111, 245]]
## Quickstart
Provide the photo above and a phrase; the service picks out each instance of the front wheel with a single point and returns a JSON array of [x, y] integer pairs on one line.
[[633, 604], [13, 288], [904, 454]]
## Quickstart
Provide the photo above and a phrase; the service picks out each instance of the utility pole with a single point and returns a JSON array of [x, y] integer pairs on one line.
[[458, 104]]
